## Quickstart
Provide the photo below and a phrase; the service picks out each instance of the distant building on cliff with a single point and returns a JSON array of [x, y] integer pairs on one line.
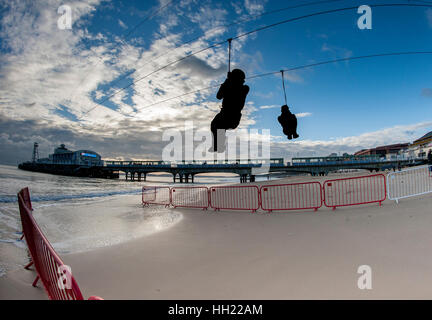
[[383, 151], [418, 149]]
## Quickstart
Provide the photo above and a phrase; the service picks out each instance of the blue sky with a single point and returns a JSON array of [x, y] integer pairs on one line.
[[52, 81]]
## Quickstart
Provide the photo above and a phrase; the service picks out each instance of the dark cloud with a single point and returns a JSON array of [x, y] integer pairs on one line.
[[196, 66], [17, 145]]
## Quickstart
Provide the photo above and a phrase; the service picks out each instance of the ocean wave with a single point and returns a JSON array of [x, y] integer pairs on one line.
[[60, 197]]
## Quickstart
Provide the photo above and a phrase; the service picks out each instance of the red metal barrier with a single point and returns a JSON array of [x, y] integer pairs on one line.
[[25, 194], [354, 191], [49, 267], [190, 197], [156, 195], [294, 196], [235, 198]]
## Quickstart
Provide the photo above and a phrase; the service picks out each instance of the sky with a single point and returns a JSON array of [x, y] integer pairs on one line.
[[102, 84]]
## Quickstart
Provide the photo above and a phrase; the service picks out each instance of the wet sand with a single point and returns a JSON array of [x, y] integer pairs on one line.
[[243, 255]]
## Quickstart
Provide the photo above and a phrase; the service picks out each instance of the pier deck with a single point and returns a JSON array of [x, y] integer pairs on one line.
[[185, 172]]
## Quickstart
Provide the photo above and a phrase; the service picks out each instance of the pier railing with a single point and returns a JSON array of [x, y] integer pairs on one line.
[[55, 276]]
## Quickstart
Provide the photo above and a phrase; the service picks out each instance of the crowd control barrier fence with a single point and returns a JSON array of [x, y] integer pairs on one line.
[[53, 273], [354, 191], [295, 196], [409, 182], [156, 195], [190, 197], [235, 198]]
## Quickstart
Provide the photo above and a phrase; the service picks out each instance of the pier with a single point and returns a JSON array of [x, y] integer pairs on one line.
[[185, 171]]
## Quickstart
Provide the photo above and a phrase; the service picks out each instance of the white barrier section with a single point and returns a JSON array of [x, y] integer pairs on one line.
[[156, 195], [409, 182], [235, 198], [295, 196], [190, 197]]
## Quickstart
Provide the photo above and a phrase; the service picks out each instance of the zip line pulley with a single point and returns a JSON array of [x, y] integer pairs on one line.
[[283, 85], [229, 54]]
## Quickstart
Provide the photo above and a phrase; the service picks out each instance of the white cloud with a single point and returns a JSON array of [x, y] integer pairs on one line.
[[51, 67], [122, 24], [293, 77], [351, 144], [270, 106], [303, 114], [208, 17], [45, 67], [336, 50], [254, 6]]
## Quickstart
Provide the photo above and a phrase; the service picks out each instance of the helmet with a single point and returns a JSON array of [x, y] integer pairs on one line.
[[238, 74]]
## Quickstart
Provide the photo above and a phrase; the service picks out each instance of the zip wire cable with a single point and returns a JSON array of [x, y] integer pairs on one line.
[[299, 68], [249, 33], [150, 16], [225, 26], [157, 11], [229, 54], [327, 12], [151, 73]]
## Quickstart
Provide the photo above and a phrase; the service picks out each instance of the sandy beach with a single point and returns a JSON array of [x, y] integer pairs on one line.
[[243, 255]]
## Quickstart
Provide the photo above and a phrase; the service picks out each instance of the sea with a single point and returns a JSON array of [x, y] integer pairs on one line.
[[58, 203]]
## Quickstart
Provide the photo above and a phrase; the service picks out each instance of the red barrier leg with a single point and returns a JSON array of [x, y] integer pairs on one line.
[[27, 267], [35, 282], [22, 237]]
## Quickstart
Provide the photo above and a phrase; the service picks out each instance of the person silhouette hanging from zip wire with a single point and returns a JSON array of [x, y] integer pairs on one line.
[[233, 93], [288, 122], [287, 119]]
